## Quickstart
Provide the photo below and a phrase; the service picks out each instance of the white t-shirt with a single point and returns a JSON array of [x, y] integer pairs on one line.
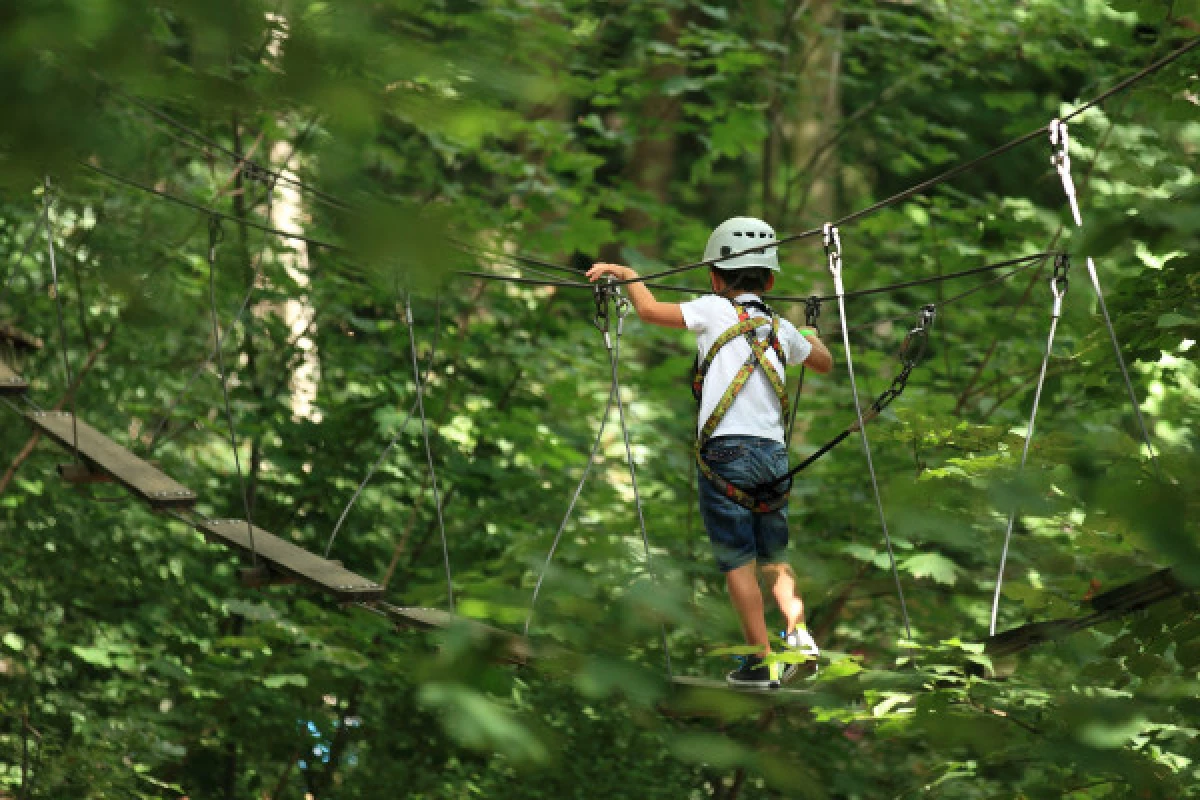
[[756, 410]]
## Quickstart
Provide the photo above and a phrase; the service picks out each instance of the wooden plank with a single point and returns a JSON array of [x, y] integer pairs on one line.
[[435, 618], [1115, 603], [104, 455], [712, 684], [10, 382], [287, 559], [18, 338]]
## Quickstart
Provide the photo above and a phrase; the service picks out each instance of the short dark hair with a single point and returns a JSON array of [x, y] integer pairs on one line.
[[754, 279]]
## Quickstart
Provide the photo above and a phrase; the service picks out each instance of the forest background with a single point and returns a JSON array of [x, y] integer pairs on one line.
[[133, 664]]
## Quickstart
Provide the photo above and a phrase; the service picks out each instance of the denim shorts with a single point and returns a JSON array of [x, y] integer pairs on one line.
[[738, 535]]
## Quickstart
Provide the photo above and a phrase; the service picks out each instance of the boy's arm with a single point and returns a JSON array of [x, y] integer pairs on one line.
[[668, 315], [819, 360]]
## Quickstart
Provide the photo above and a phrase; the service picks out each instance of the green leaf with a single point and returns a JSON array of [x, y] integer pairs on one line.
[[279, 681], [13, 641], [931, 565]]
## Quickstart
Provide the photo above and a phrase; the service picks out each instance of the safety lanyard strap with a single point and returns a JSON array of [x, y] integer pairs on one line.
[[757, 358]]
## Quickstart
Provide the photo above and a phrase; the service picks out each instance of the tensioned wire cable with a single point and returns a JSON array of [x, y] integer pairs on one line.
[[916, 189], [437, 497], [395, 436], [835, 267], [615, 359], [48, 227], [1059, 290], [587, 469], [214, 237]]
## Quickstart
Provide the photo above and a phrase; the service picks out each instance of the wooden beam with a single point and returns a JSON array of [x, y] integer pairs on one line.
[[282, 558], [11, 383], [713, 684], [81, 474], [1115, 603], [104, 455], [517, 647], [19, 339]]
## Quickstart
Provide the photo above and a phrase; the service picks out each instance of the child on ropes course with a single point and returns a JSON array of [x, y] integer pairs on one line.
[[740, 448]]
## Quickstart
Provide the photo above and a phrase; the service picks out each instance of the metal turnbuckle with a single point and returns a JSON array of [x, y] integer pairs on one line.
[[1059, 282]]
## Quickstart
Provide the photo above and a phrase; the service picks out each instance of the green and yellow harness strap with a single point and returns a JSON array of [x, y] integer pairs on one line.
[[746, 326]]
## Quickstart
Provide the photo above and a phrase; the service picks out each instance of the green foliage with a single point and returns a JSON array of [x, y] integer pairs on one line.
[[132, 664]]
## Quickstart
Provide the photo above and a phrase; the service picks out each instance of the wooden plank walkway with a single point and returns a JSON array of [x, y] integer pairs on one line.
[[104, 455], [516, 646], [284, 558], [1110, 605], [713, 684], [19, 339], [10, 382]]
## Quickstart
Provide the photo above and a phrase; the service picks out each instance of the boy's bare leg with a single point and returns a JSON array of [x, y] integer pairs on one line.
[[747, 601], [783, 585]]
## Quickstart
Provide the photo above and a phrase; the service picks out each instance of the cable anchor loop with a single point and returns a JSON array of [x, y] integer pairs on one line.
[[1060, 158], [812, 311], [216, 235], [1059, 282]]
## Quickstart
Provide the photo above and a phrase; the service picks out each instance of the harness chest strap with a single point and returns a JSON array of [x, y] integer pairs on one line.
[[746, 326]]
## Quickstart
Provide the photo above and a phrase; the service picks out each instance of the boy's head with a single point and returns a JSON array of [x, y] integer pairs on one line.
[[753, 270]]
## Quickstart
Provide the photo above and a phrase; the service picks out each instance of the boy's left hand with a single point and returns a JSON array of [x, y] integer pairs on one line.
[[599, 270]]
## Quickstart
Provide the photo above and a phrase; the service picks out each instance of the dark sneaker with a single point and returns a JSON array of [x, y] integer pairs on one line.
[[754, 674]]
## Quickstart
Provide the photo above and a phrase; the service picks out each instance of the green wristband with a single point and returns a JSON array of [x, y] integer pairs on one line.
[[808, 332]]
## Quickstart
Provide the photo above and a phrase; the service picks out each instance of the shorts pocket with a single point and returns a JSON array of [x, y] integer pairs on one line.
[[723, 453]]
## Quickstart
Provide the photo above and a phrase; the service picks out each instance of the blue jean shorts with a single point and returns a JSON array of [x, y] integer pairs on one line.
[[738, 535]]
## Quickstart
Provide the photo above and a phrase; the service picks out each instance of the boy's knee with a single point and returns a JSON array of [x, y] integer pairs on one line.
[[775, 571]]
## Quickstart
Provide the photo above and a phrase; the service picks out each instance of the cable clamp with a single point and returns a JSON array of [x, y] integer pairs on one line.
[[215, 236], [833, 252], [1058, 281], [812, 310], [1061, 159]]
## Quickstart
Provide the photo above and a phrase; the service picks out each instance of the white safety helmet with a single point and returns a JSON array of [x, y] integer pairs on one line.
[[737, 235]]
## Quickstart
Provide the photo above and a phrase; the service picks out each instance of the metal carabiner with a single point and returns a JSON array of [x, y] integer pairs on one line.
[[812, 311], [917, 340], [833, 251], [1059, 282]]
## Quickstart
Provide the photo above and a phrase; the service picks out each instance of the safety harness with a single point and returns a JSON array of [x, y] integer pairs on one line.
[[747, 327]]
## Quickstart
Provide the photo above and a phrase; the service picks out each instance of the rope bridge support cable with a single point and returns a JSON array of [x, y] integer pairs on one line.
[[433, 482], [412, 410], [48, 226], [1061, 159], [833, 251], [614, 353], [214, 238], [1058, 288], [602, 324]]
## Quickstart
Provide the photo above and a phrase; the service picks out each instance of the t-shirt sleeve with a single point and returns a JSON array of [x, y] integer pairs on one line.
[[699, 314], [796, 346]]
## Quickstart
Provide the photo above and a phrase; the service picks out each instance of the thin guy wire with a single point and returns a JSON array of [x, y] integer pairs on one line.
[[437, 498], [62, 328], [615, 357], [279, 175], [1112, 334], [237, 317], [1012, 516], [213, 236], [942, 177], [25, 250], [211, 212], [862, 426], [587, 468], [395, 436]]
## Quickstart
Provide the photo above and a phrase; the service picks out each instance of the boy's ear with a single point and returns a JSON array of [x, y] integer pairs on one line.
[[770, 282]]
